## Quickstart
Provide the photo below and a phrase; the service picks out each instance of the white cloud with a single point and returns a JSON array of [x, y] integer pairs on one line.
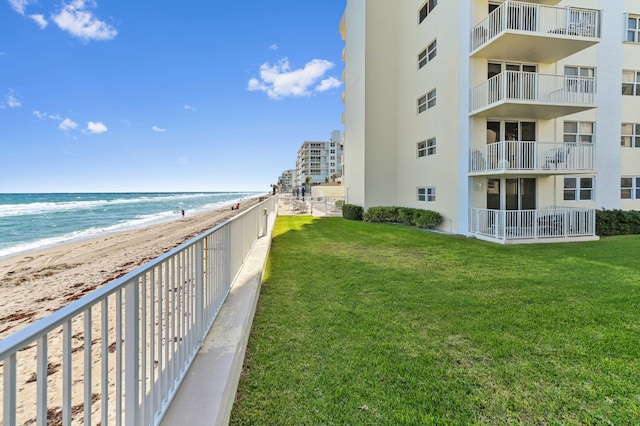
[[12, 102], [39, 19], [78, 21], [327, 84], [157, 129], [96, 128], [273, 47], [19, 5], [279, 81], [67, 124], [2, 53], [189, 108]]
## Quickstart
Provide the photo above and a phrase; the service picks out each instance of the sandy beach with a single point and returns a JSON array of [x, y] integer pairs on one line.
[[37, 283]]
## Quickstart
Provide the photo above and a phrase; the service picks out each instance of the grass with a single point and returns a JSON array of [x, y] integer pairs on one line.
[[376, 324]]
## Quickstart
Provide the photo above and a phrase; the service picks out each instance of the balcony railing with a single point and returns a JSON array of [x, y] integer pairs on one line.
[[553, 222], [535, 19], [536, 157], [534, 88], [118, 355]]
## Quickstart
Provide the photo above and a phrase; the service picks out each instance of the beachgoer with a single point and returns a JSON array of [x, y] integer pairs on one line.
[[182, 212], [238, 206]]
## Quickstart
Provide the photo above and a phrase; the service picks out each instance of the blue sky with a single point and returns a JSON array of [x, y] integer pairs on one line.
[[196, 95]]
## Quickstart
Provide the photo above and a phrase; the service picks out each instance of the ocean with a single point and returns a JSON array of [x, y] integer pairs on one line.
[[33, 221]]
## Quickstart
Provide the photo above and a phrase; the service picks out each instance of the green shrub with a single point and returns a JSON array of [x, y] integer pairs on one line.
[[352, 212], [617, 222], [427, 219], [407, 215], [381, 214]]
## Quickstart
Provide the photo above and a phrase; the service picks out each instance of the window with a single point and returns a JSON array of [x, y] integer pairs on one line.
[[425, 148], [427, 54], [431, 146], [633, 29], [630, 188], [426, 9], [578, 131], [427, 193], [422, 149], [422, 104], [631, 83], [630, 135], [431, 99], [578, 188]]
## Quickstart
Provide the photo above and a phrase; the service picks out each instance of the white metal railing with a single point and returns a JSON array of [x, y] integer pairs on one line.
[[326, 206], [531, 156], [520, 86], [118, 355], [552, 222], [535, 18]]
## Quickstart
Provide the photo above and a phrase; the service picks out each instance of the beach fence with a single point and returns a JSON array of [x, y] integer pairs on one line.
[[118, 355]]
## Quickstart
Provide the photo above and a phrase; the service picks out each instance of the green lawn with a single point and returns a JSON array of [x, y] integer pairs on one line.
[[378, 324]]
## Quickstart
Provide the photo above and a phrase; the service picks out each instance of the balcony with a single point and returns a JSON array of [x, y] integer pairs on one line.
[[532, 158], [518, 94], [528, 32], [553, 224]]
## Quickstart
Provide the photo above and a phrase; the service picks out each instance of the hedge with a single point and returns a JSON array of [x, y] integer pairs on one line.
[[409, 216], [617, 222], [352, 212]]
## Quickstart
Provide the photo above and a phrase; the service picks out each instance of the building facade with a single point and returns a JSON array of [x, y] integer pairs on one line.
[[322, 161], [514, 120], [286, 181]]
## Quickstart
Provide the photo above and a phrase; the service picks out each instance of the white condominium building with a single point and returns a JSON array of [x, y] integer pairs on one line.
[[287, 180], [516, 120], [322, 161]]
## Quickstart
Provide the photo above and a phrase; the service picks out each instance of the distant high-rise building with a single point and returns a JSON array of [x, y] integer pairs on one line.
[[322, 161]]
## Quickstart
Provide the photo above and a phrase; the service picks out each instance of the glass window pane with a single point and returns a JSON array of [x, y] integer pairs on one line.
[[627, 76], [625, 194], [627, 128], [586, 183], [570, 70], [571, 127], [626, 141], [625, 182], [570, 138], [569, 183], [569, 195], [632, 23], [586, 127], [627, 89], [585, 194], [585, 138]]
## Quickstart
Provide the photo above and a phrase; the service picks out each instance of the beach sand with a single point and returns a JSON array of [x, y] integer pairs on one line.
[[35, 284]]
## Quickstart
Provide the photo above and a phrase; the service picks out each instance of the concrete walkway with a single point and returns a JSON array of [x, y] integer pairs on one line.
[[207, 393]]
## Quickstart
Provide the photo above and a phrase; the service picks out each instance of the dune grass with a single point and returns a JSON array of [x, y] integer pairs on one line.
[[378, 324]]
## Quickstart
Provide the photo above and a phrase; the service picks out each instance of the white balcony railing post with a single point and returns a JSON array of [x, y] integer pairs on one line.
[[132, 354]]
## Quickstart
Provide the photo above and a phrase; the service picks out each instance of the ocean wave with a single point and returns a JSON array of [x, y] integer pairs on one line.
[[37, 208]]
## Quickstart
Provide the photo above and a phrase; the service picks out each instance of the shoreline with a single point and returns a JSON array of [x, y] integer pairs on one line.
[[36, 283], [123, 227]]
